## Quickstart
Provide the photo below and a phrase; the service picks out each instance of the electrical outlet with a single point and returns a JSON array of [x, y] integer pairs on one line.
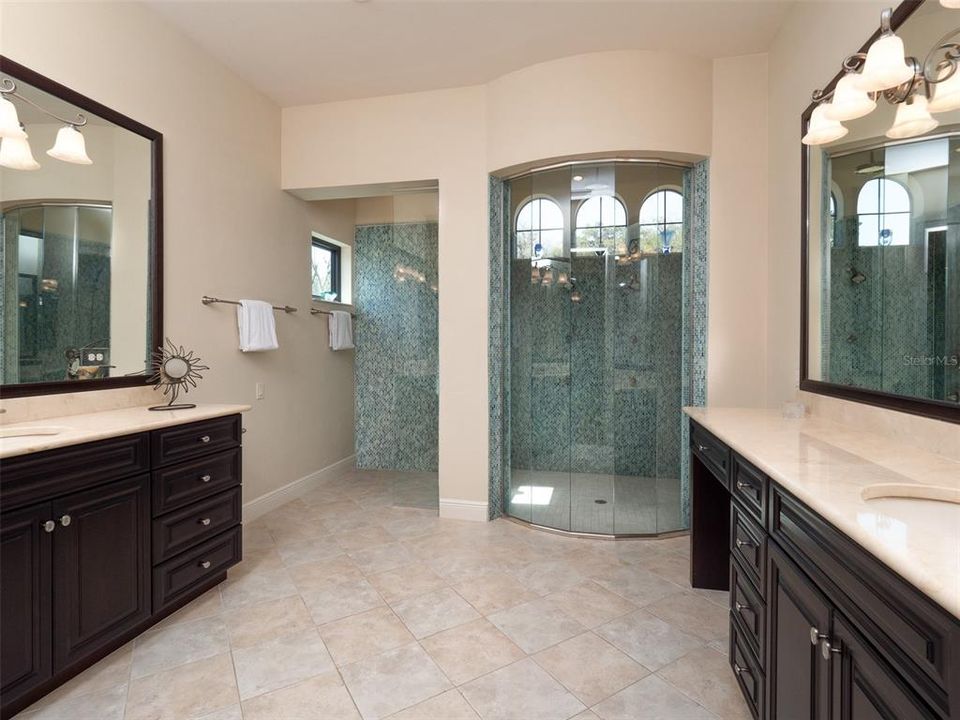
[[259, 391]]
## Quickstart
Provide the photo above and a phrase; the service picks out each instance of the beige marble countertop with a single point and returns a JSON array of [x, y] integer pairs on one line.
[[87, 427], [827, 465]]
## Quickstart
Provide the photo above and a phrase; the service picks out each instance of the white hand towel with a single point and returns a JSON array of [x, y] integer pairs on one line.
[[341, 330], [257, 326]]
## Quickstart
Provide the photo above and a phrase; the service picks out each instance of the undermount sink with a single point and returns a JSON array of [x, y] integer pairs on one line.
[[13, 432], [911, 491]]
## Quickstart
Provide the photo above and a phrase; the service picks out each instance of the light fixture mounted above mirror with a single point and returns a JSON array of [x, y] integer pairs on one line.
[[919, 88], [15, 152]]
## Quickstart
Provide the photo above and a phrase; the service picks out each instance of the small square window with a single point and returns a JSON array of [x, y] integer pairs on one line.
[[325, 270]]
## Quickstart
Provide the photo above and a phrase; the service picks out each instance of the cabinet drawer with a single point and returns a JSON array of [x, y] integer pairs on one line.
[[749, 611], [745, 669], [714, 454], [182, 529], [37, 477], [182, 484], [748, 546], [182, 442], [178, 576], [748, 486], [913, 634]]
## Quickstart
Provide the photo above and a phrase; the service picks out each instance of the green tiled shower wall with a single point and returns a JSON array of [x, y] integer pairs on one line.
[[876, 330], [396, 340], [596, 386]]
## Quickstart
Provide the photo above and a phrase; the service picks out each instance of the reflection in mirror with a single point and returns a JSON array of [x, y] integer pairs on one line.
[[75, 240], [883, 245], [886, 274]]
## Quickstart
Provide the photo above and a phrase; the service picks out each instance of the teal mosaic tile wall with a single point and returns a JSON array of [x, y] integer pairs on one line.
[[596, 385], [628, 419], [872, 327], [396, 338]]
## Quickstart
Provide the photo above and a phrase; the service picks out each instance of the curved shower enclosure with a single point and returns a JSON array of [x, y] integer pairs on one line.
[[595, 368]]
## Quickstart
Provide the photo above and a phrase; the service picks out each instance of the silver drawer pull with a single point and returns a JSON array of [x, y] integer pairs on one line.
[[816, 636], [205, 439], [204, 521], [66, 520], [741, 670], [826, 648], [702, 448], [205, 478], [205, 564], [741, 485], [745, 543], [740, 607], [49, 526]]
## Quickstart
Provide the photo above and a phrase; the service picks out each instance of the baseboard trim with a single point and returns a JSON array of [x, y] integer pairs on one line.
[[473, 510], [292, 490]]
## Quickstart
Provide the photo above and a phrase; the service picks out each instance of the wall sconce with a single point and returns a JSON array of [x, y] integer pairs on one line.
[[916, 88], [15, 150]]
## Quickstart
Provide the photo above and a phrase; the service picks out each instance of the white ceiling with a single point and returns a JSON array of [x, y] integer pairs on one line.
[[315, 51]]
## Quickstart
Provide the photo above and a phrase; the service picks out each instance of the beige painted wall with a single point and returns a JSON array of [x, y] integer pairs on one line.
[[737, 352], [401, 208], [229, 229], [422, 136], [806, 53], [608, 102]]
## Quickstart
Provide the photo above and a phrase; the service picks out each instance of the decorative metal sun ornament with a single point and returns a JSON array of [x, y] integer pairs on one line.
[[175, 368]]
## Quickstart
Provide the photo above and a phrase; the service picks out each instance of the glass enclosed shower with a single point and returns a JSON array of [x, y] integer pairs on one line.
[[596, 361]]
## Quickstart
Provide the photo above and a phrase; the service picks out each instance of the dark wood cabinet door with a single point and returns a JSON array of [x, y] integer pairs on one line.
[[101, 567], [25, 656], [798, 675], [864, 685]]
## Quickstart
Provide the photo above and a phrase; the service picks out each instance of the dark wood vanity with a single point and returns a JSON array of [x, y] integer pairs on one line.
[[99, 541], [819, 627]]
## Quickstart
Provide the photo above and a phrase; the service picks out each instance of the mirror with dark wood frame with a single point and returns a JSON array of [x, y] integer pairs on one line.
[[880, 235], [81, 227]]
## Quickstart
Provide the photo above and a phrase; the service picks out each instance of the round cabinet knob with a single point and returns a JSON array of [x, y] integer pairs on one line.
[[702, 448], [740, 670], [740, 607], [204, 521], [205, 564], [741, 485], [49, 526], [205, 478], [816, 636], [66, 520], [205, 439], [826, 648]]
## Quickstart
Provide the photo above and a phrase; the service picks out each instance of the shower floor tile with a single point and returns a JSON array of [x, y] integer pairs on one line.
[[585, 502]]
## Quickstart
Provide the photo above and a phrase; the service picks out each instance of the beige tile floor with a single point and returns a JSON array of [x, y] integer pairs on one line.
[[351, 604]]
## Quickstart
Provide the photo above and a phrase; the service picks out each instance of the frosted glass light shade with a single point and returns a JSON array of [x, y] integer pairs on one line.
[[849, 100], [9, 122], [913, 118], [822, 129], [885, 66], [70, 147], [951, 4], [946, 94], [15, 154]]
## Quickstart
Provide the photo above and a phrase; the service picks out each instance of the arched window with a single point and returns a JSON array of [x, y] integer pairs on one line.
[[539, 229], [601, 224], [661, 222], [883, 213]]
